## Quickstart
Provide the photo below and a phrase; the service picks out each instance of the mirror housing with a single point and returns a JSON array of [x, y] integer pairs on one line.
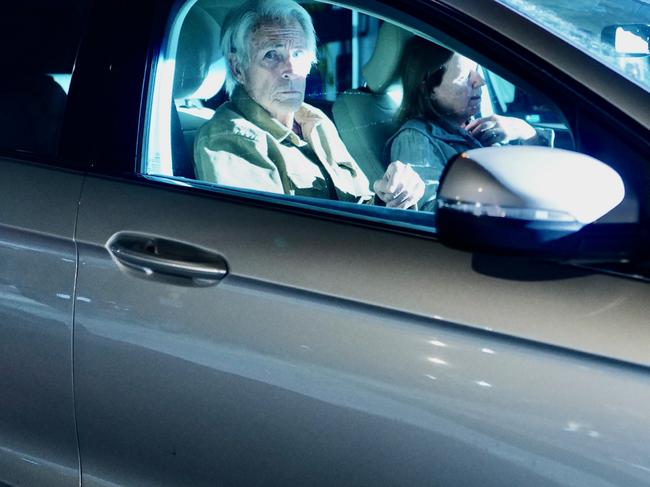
[[627, 39], [533, 201]]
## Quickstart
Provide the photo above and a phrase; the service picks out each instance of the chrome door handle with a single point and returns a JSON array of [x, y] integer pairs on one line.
[[151, 255]]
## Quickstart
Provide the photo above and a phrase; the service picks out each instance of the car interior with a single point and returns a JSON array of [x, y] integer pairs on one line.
[[199, 75], [355, 83], [363, 115]]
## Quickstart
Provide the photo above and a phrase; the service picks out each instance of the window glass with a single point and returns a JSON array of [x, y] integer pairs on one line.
[[616, 32], [505, 98], [39, 42], [226, 109]]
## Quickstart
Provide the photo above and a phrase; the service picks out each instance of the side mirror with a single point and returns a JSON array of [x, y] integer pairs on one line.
[[530, 200], [627, 39]]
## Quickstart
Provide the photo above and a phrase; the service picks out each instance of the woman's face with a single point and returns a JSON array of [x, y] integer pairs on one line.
[[459, 94]]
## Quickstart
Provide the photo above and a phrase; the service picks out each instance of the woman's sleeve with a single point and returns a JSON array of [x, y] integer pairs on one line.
[[414, 148]]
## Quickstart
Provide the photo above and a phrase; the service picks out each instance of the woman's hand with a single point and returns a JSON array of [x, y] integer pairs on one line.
[[401, 187], [497, 129]]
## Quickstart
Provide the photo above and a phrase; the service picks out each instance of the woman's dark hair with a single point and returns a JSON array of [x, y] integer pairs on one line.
[[423, 66]]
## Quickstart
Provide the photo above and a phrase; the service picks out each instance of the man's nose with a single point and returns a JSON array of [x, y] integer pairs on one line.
[[289, 68]]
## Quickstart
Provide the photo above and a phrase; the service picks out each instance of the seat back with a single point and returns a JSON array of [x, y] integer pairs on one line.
[[199, 74], [365, 117]]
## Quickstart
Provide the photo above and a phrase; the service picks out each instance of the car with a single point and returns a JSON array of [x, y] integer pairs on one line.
[[156, 329]]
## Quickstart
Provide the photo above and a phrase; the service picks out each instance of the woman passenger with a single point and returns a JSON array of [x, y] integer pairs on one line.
[[442, 95]]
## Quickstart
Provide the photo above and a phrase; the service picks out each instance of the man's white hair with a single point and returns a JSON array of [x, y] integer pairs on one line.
[[241, 22]]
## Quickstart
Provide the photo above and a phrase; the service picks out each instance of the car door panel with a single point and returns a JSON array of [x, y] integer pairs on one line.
[[38, 209], [337, 353]]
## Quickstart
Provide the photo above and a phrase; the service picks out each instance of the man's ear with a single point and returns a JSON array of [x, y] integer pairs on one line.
[[235, 67]]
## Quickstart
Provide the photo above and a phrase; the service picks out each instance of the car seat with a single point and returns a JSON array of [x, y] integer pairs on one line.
[[365, 116], [199, 74]]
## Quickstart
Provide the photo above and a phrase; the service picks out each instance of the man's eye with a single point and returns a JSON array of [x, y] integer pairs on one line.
[[297, 53], [271, 55]]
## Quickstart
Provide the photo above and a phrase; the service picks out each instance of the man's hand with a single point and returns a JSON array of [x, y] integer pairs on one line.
[[401, 187], [497, 129]]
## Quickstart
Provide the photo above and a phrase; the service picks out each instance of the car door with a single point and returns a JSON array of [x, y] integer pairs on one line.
[[226, 337], [38, 441]]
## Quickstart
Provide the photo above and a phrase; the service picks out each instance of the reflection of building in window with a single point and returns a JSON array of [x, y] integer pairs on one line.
[[629, 43], [581, 22]]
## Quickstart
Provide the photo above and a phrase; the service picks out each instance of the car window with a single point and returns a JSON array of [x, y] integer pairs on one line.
[[214, 130], [616, 32], [506, 98], [39, 44]]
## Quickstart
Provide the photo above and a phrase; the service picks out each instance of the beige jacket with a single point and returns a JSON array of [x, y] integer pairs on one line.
[[244, 147]]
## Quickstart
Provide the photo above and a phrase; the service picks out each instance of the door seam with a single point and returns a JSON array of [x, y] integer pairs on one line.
[[72, 334]]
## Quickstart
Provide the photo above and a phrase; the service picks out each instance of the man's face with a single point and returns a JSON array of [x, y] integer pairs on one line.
[[279, 63], [459, 93]]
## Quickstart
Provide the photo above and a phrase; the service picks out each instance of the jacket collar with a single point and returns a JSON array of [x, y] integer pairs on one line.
[[306, 117]]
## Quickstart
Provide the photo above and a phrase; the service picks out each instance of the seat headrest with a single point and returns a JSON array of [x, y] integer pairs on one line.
[[382, 70], [200, 69]]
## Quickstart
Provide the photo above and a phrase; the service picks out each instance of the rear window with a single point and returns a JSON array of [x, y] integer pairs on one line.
[[39, 41]]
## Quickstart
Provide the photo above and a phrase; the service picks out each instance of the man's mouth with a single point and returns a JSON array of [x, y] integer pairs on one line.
[[289, 94]]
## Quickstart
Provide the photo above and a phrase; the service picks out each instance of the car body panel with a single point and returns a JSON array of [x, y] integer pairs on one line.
[[37, 275], [360, 366]]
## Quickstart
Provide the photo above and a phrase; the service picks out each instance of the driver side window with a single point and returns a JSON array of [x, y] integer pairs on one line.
[[265, 110]]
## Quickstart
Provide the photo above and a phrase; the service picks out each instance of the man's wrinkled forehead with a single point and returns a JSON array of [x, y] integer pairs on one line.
[[279, 34]]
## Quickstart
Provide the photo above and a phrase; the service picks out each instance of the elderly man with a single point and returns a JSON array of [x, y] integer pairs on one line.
[[266, 138]]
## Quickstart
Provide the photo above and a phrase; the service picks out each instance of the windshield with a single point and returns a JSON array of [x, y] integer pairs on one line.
[[585, 24]]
